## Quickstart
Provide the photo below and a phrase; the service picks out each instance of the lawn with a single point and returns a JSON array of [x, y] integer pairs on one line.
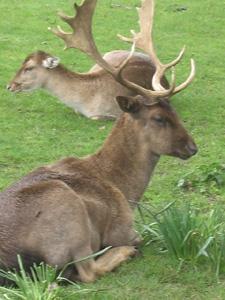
[[37, 129]]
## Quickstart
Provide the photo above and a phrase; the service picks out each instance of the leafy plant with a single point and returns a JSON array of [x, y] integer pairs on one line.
[[208, 179], [188, 234]]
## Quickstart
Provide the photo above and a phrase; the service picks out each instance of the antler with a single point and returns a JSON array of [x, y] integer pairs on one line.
[[82, 38], [144, 41]]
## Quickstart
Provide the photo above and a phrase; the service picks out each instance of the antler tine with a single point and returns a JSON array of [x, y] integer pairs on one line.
[[144, 41], [188, 80], [151, 95], [65, 18], [81, 38], [162, 68], [177, 59]]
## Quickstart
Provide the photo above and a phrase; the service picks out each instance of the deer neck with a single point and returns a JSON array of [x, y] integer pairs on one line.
[[69, 86], [125, 159]]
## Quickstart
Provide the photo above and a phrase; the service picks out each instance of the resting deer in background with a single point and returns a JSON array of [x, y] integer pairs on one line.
[[70, 209], [91, 94]]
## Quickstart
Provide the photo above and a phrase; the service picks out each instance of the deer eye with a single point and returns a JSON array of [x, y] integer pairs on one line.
[[28, 69], [159, 120]]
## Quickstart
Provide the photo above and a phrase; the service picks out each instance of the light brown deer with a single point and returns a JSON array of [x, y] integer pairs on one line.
[[83, 91], [69, 210]]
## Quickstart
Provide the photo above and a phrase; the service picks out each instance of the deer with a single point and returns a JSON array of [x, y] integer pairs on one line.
[[68, 210], [83, 92]]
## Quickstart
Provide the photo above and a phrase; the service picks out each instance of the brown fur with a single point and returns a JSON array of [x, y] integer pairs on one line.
[[68, 210]]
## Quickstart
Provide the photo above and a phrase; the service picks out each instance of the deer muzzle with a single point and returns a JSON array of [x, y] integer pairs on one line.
[[191, 148], [188, 150], [14, 87]]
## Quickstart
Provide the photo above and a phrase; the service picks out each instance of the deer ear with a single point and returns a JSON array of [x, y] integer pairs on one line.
[[129, 104], [50, 62]]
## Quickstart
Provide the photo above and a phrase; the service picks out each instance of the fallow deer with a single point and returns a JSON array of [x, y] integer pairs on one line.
[[84, 92], [70, 209]]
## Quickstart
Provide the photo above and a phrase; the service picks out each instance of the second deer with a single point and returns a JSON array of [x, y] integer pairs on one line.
[[92, 94]]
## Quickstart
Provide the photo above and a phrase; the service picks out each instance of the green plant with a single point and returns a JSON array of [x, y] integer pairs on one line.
[[207, 178], [178, 229], [41, 283], [188, 234], [215, 227]]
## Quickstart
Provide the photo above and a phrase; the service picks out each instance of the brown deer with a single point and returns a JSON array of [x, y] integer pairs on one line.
[[70, 209], [83, 91]]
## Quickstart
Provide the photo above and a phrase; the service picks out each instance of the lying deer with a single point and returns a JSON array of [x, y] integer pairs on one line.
[[84, 92], [70, 209]]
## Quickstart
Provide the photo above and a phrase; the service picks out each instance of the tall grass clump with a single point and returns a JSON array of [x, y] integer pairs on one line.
[[40, 283], [188, 234]]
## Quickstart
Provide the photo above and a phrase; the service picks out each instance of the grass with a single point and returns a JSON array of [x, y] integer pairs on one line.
[[188, 234], [37, 129], [40, 283]]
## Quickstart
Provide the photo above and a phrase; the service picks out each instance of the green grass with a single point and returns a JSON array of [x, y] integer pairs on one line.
[[40, 285], [42, 282], [37, 129], [187, 233]]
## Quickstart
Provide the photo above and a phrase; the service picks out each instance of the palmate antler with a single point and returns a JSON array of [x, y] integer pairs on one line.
[[81, 38], [144, 41]]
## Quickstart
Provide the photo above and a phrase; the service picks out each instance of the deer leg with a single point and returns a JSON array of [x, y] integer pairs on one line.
[[113, 258], [89, 270], [86, 271]]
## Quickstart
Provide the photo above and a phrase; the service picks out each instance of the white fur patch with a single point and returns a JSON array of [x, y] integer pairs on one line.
[[50, 62]]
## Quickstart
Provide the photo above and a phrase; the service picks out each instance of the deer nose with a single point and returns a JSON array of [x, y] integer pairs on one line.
[[12, 87], [191, 148]]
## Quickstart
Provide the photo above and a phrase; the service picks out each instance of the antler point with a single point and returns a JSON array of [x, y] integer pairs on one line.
[[193, 63], [183, 49]]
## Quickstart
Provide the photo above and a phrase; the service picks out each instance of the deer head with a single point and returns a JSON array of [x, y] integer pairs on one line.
[[33, 72]]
